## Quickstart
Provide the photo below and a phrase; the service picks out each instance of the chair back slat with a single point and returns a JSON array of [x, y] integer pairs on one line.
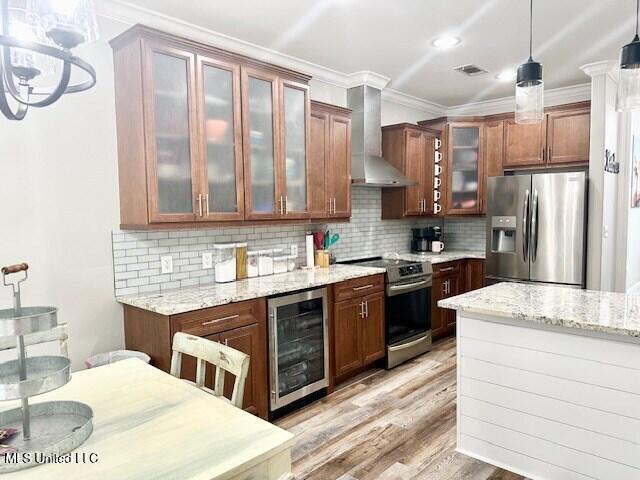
[[59, 334], [223, 357]]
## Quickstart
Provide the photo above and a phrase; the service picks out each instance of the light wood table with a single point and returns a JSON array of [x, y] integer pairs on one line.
[[150, 425]]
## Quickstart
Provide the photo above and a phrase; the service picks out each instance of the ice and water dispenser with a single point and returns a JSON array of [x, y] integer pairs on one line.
[[503, 234]]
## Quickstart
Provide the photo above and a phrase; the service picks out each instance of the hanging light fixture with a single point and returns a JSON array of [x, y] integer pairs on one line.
[[529, 85], [36, 63], [629, 78]]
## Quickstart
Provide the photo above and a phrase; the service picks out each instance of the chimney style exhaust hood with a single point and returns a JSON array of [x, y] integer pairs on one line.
[[368, 168]]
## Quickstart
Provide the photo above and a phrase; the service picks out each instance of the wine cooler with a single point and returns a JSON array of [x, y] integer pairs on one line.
[[298, 346]]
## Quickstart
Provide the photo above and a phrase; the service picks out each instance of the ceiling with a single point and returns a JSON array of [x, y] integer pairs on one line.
[[393, 38]]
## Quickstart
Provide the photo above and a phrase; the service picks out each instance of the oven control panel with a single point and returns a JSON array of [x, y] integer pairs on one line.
[[410, 270]]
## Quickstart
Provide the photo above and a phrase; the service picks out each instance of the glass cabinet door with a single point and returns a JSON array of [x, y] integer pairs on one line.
[[170, 179], [464, 168], [221, 140], [260, 144], [295, 108]]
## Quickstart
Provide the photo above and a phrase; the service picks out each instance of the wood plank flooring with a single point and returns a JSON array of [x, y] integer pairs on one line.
[[388, 425]]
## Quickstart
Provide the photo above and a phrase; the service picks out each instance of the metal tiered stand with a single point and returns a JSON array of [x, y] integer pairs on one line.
[[51, 428]]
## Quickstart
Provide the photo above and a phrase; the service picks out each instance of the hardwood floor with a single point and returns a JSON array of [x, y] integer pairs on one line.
[[388, 425]]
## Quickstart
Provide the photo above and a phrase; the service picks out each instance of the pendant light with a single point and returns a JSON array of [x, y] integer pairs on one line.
[[36, 63], [629, 78], [529, 85]]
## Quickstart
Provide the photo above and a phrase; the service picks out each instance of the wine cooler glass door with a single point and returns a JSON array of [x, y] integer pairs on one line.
[[298, 353]]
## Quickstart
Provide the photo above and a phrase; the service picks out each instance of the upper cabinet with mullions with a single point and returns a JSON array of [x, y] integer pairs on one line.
[[205, 135]]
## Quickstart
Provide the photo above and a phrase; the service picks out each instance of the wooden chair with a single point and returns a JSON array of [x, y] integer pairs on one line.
[[224, 358], [59, 334]]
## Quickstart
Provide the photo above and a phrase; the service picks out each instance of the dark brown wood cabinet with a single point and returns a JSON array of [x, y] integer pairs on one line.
[[447, 281], [568, 136], [358, 325], [240, 325], [473, 274], [450, 279], [465, 168], [373, 346], [562, 138], [411, 149], [203, 134], [330, 161], [348, 338], [493, 155]]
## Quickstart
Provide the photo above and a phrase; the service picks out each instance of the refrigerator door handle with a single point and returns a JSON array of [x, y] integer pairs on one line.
[[525, 226], [534, 227]]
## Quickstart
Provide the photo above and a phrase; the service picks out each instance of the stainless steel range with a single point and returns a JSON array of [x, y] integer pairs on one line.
[[407, 307]]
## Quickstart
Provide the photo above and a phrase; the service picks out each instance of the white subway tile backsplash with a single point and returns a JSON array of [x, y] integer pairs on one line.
[[136, 254]]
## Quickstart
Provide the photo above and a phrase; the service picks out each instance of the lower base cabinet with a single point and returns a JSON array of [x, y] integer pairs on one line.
[[450, 279], [358, 331], [240, 325]]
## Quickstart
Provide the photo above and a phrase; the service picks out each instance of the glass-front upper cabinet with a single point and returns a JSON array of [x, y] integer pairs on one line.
[[261, 144], [464, 168], [220, 196], [171, 124], [295, 112]]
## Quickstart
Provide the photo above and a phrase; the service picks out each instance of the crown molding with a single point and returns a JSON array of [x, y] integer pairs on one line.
[[606, 67], [128, 14], [430, 108], [366, 77], [555, 96]]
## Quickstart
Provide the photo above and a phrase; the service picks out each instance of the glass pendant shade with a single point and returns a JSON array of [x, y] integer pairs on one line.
[[67, 23], [26, 27], [629, 77], [529, 93]]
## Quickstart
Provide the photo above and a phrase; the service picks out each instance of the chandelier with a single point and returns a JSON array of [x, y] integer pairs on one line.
[[36, 63]]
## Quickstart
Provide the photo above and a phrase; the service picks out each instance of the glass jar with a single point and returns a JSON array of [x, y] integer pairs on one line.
[[252, 263], [224, 258], [241, 260], [265, 262]]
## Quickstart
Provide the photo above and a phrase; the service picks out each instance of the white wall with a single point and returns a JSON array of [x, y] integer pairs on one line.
[[59, 202], [632, 277]]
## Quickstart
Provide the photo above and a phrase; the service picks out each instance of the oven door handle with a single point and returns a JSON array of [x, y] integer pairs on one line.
[[413, 343], [406, 287]]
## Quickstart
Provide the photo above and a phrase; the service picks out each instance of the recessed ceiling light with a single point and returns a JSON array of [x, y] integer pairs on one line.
[[446, 41], [506, 75]]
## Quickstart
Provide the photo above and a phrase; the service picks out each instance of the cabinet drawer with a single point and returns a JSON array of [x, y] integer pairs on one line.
[[358, 287], [442, 269], [216, 319]]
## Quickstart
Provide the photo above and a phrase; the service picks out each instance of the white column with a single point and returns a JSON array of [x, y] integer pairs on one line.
[[603, 199]]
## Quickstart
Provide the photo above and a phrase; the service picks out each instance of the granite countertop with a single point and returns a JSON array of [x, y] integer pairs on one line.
[[442, 257], [183, 300], [605, 312]]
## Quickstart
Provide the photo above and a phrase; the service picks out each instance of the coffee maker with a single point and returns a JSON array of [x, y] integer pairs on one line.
[[423, 238]]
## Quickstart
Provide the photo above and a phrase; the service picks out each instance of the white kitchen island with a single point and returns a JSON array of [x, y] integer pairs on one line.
[[549, 381]]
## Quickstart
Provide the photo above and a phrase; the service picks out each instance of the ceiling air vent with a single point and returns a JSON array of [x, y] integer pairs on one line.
[[471, 70]]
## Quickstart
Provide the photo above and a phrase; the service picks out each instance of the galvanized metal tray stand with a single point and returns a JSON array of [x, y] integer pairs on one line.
[[46, 428]]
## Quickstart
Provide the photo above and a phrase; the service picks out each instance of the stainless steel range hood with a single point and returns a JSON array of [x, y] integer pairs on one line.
[[368, 168]]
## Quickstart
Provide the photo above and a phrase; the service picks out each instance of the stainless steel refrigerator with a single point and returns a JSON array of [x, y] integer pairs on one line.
[[536, 228]]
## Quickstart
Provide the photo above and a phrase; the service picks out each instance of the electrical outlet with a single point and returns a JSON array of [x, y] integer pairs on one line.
[[207, 260], [166, 264], [294, 250]]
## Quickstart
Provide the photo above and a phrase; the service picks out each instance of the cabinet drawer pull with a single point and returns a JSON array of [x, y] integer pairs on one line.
[[230, 317], [447, 269], [363, 287]]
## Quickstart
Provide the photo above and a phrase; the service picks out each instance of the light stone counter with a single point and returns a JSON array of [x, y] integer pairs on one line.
[[183, 300], [443, 257], [604, 312]]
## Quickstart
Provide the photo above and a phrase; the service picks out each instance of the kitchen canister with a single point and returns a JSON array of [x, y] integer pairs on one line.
[[253, 257], [265, 262], [224, 257]]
